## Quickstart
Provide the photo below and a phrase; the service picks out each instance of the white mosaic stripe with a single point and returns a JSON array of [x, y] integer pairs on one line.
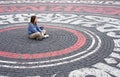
[[60, 1]]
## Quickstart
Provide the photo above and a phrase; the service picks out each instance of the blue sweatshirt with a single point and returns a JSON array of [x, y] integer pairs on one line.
[[32, 28]]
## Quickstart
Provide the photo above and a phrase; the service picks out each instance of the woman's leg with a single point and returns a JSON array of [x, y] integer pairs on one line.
[[43, 32], [37, 35]]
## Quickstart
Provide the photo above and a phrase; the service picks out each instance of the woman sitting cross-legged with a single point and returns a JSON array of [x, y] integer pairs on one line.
[[34, 31]]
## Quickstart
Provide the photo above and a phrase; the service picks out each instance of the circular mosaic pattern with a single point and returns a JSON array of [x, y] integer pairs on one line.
[[84, 39], [47, 48], [89, 52]]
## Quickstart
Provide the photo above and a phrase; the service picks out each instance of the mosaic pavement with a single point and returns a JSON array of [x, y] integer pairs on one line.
[[84, 38]]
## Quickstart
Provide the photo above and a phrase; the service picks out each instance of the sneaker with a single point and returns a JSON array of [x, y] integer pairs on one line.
[[46, 36]]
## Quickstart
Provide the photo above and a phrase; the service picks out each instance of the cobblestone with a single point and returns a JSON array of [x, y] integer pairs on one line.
[[85, 37]]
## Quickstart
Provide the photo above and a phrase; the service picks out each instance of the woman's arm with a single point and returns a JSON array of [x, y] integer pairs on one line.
[[32, 29]]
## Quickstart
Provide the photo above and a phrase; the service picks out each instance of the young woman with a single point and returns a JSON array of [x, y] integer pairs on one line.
[[34, 31]]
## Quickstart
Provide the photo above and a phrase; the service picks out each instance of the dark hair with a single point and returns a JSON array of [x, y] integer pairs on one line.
[[32, 20]]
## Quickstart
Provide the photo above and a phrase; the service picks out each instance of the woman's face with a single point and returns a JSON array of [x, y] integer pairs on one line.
[[35, 21]]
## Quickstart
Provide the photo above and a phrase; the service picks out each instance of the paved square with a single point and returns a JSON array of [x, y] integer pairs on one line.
[[84, 38]]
